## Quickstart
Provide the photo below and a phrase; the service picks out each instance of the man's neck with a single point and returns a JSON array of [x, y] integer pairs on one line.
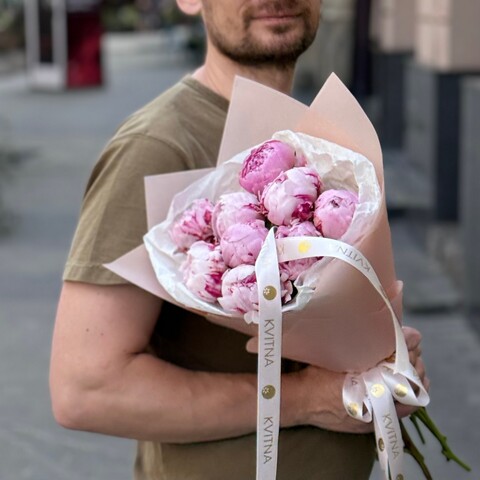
[[218, 73]]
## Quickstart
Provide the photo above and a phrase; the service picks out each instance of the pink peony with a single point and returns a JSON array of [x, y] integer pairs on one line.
[[194, 224], [294, 268], [231, 208], [334, 211], [203, 270], [265, 163], [241, 243], [240, 291], [291, 196]]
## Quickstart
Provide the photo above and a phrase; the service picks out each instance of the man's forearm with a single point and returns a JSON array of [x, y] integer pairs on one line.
[[102, 381], [150, 399]]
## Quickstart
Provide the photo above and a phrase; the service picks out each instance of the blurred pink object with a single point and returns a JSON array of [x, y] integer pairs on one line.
[[193, 225], [241, 243], [291, 196], [334, 211], [294, 268], [265, 163], [232, 208], [203, 270], [240, 292]]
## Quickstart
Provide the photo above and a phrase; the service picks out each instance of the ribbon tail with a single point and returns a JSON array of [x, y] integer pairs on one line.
[[387, 427], [269, 359]]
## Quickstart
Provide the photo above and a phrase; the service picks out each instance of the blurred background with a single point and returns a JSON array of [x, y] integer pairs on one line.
[[72, 70]]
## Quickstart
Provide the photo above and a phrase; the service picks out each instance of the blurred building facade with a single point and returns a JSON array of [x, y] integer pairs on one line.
[[11, 25], [426, 72], [63, 43]]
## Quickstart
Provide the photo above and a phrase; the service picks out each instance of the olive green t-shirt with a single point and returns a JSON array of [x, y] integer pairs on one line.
[[181, 129]]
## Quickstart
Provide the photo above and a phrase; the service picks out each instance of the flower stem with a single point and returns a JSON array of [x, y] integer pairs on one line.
[[422, 415], [411, 449], [414, 420]]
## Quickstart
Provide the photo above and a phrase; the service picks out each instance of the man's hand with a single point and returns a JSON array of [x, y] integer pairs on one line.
[[413, 339], [319, 393], [319, 401]]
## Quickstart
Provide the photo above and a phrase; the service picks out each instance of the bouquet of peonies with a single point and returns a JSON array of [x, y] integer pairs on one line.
[[205, 251], [222, 241], [290, 235]]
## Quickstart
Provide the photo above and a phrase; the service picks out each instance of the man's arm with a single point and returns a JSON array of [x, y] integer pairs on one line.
[[102, 379]]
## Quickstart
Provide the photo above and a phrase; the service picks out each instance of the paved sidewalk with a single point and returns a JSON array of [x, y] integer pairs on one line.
[[12, 62], [61, 135], [452, 354]]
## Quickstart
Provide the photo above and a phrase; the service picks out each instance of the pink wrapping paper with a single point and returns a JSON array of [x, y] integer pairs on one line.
[[348, 328]]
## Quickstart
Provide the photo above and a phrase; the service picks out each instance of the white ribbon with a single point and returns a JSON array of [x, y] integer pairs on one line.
[[293, 248], [367, 396], [269, 358], [370, 395]]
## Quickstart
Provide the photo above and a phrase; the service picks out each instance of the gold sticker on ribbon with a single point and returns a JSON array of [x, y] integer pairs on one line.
[[352, 409], [304, 246], [269, 292], [268, 392], [377, 390], [381, 444], [401, 390]]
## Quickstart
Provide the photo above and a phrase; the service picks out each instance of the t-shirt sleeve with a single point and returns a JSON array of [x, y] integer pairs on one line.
[[113, 217]]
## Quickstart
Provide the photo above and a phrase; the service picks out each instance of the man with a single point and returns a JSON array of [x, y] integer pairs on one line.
[[125, 364]]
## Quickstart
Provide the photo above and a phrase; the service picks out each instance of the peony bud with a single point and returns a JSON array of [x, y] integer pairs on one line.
[[265, 163], [193, 225], [203, 270], [241, 243], [240, 290], [291, 196], [334, 211], [232, 208]]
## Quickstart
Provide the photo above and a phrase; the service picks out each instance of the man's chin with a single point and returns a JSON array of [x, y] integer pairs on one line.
[[270, 32], [265, 46], [282, 36], [284, 58], [283, 48]]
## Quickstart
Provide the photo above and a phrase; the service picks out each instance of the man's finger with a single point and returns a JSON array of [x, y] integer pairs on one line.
[[414, 354], [412, 336], [252, 345]]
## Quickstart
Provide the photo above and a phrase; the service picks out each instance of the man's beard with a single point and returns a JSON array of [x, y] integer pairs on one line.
[[251, 52]]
